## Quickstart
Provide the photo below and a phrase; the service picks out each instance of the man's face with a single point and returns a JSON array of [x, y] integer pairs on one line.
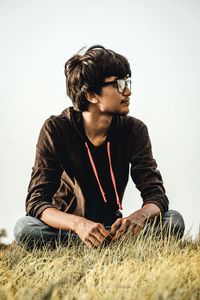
[[113, 102]]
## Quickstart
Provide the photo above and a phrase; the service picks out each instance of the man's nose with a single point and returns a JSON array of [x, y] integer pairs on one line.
[[127, 91]]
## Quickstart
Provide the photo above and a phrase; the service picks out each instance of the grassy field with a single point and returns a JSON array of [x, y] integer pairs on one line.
[[132, 268]]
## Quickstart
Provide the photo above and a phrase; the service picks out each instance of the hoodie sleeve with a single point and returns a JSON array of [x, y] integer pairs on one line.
[[47, 170], [144, 171]]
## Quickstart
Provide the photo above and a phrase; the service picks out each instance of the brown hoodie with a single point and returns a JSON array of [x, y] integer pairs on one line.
[[76, 177]]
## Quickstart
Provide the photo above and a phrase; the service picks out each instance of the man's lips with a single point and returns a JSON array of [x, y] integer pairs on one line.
[[126, 101]]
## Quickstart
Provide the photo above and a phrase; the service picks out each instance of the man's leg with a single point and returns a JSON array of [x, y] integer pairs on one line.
[[172, 223], [31, 232]]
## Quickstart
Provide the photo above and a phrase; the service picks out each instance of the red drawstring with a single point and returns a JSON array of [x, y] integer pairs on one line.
[[111, 173], [113, 176], [95, 172]]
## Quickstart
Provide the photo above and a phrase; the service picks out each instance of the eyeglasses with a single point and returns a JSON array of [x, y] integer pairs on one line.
[[121, 84]]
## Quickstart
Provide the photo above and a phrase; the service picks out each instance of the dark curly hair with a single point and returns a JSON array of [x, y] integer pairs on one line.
[[86, 73]]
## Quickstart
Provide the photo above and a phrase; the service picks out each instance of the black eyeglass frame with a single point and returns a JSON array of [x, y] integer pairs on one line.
[[116, 81]]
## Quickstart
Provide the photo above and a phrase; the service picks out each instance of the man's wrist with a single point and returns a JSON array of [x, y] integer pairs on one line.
[[150, 210], [76, 222]]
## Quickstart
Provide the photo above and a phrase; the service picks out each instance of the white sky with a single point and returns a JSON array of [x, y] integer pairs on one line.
[[160, 40]]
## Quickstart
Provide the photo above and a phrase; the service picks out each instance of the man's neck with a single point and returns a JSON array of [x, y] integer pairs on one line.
[[96, 124]]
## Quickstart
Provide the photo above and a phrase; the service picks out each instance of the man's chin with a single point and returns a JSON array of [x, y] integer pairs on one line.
[[119, 113], [124, 114]]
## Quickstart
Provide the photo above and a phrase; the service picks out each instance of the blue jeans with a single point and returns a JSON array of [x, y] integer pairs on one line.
[[32, 232]]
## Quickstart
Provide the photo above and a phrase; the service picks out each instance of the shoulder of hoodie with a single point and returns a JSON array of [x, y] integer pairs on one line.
[[132, 124], [58, 121]]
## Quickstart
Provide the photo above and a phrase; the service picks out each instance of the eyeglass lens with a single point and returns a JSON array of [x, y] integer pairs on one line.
[[122, 83]]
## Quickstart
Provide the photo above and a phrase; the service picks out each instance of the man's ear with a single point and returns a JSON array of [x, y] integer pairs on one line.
[[91, 97]]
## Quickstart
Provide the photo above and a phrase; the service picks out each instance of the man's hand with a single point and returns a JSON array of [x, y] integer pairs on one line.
[[91, 233], [134, 222]]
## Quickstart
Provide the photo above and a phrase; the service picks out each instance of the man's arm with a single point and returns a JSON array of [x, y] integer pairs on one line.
[[47, 170], [144, 172], [147, 179], [91, 233]]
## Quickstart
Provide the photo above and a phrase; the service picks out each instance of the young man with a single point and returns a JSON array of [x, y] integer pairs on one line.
[[83, 156]]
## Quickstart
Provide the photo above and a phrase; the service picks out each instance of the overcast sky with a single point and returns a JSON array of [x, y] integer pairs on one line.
[[160, 40]]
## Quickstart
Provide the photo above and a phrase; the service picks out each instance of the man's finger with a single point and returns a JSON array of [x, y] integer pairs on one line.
[[94, 242], [115, 227], [123, 229], [88, 244], [102, 234]]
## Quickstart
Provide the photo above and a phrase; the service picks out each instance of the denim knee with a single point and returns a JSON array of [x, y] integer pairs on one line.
[[173, 221], [23, 228], [30, 231]]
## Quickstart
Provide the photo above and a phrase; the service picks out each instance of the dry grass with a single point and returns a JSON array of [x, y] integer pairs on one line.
[[132, 268]]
